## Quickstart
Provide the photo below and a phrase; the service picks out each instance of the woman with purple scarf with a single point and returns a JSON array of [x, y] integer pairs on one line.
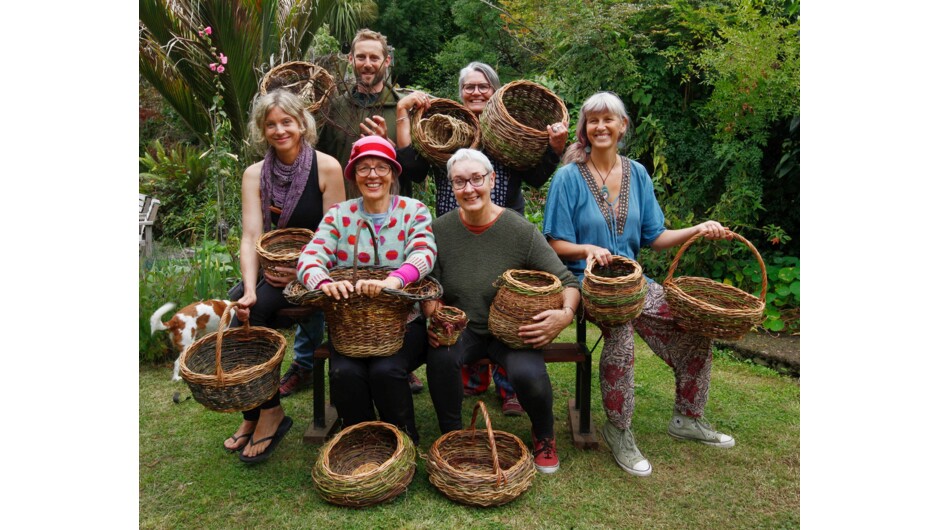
[[290, 188]]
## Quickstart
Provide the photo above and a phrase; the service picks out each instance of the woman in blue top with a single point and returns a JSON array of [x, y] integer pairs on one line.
[[602, 204]]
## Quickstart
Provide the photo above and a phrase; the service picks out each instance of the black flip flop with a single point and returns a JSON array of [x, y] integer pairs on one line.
[[236, 439], [282, 429]]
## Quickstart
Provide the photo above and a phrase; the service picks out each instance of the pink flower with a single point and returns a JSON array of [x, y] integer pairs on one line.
[[213, 67], [202, 33], [220, 69], [208, 30], [222, 58]]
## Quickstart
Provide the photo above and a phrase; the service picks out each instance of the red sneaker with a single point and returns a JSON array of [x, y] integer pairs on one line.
[[416, 385], [512, 407], [546, 457]]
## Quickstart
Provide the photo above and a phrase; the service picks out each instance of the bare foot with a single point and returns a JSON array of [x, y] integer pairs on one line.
[[267, 425], [241, 436]]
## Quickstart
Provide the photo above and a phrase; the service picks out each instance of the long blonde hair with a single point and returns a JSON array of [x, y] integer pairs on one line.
[[599, 102]]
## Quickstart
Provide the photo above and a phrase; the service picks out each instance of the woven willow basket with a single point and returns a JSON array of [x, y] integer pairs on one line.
[[447, 323], [282, 247], [521, 295], [362, 326], [614, 294], [365, 464], [236, 369], [514, 120], [480, 468], [312, 83], [713, 309], [442, 128]]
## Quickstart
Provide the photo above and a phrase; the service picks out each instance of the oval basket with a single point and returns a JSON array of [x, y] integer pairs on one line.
[[236, 369], [362, 326], [713, 309], [442, 128], [282, 247], [514, 120], [521, 295], [364, 464], [613, 294], [313, 84], [447, 323], [480, 469]]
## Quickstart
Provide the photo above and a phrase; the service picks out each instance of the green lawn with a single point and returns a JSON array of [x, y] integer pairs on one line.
[[187, 480]]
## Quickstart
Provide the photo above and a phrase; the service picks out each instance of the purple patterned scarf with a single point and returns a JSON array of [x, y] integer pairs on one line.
[[282, 184]]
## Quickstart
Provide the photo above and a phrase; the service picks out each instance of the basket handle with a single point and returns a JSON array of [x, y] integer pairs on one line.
[[480, 407], [223, 325], [760, 261], [375, 248]]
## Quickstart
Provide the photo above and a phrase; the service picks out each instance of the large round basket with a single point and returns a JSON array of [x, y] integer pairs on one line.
[[362, 326], [480, 468], [613, 294], [442, 128], [234, 369], [514, 122], [713, 309], [282, 247], [447, 323], [364, 464], [312, 83], [521, 295]]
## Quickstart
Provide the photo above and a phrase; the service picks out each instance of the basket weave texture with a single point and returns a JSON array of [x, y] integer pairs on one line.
[[282, 247], [514, 120], [312, 83], [362, 326], [447, 323], [234, 369], [480, 468], [521, 295], [613, 294], [442, 128], [713, 309], [364, 464]]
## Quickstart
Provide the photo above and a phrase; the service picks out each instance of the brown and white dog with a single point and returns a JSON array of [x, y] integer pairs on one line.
[[188, 324]]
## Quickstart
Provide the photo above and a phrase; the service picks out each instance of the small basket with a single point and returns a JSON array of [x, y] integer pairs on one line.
[[479, 469], [514, 120], [282, 247], [312, 83], [234, 370], [362, 326], [613, 294], [521, 295], [442, 128], [713, 309], [447, 323], [364, 464]]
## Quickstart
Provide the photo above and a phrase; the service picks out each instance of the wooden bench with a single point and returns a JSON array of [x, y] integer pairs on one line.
[[147, 214]]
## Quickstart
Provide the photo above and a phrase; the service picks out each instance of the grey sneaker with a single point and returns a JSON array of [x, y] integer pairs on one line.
[[626, 454], [697, 429]]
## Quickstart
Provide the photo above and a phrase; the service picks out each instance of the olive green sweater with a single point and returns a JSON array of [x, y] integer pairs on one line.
[[468, 264]]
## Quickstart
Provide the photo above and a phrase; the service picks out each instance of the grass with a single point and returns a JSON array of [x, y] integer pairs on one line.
[[187, 480]]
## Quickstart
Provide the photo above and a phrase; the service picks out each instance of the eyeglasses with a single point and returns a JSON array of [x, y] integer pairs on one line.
[[476, 180], [482, 87], [380, 170]]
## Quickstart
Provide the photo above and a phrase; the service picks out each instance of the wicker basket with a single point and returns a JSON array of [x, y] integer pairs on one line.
[[514, 120], [713, 309], [442, 128], [281, 248], [614, 294], [365, 464], [235, 369], [447, 323], [312, 83], [362, 326], [479, 469], [521, 295]]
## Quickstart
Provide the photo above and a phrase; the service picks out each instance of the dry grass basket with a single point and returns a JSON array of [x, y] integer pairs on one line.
[[521, 295], [514, 120], [613, 294], [361, 326], [480, 468], [364, 464], [713, 309], [442, 128], [312, 83], [234, 369], [448, 322], [281, 247]]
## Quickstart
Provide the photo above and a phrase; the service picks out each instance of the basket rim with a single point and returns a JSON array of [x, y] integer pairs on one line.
[[270, 235], [674, 286], [633, 276], [509, 279], [211, 380], [501, 108], [400, 447]]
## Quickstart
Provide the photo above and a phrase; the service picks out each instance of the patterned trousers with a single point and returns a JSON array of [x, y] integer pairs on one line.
[[689, 356]]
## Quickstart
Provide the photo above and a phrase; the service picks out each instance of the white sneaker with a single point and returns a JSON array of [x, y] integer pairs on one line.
[[698, 430], [625, 451]]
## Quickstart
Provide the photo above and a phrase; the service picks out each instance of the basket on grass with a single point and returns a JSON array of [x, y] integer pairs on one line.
[[362, 326], [364, 464], [281, 247], [521, 295], [442, 128], [713, 309], [613, 294], [312, 83], [447, 323], [480, 468], [234, 369], [514, 122]]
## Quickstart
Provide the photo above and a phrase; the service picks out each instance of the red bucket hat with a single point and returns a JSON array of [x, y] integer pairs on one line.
[[370, 146]]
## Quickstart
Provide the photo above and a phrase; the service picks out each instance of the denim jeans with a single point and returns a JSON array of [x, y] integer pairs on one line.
[[308, 336]]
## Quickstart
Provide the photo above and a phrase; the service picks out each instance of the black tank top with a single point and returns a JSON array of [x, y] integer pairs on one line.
[[309, 210]]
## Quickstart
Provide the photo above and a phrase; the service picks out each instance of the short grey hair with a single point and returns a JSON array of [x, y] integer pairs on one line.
[[469, 155], [484, 69]]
